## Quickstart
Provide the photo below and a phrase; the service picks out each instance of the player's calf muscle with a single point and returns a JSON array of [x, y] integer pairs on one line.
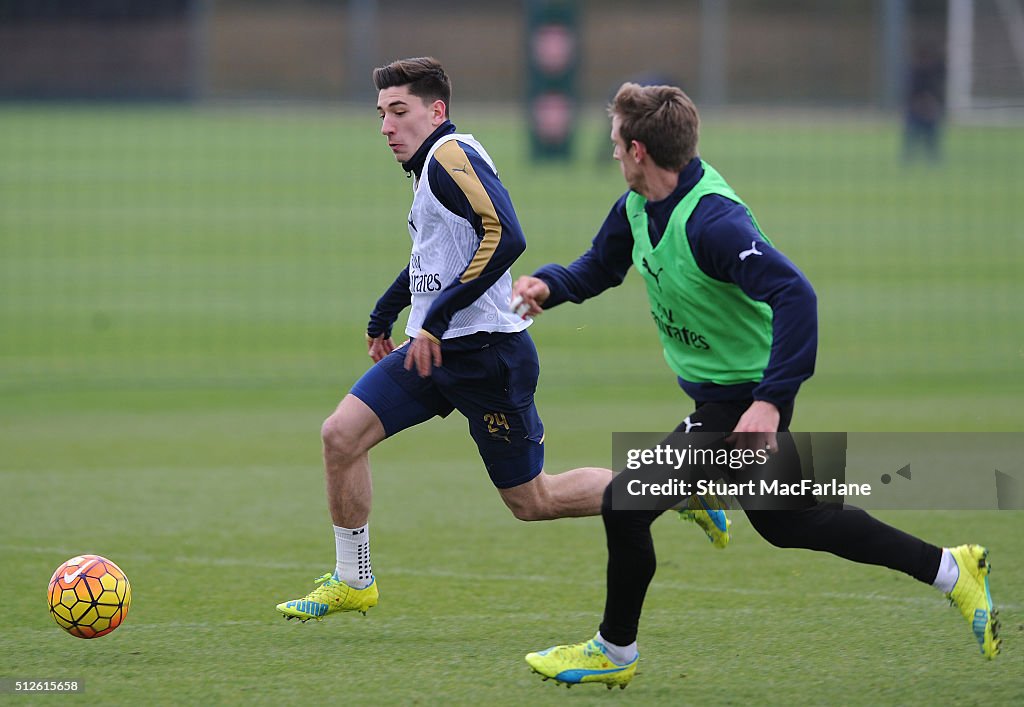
[[572, 493]]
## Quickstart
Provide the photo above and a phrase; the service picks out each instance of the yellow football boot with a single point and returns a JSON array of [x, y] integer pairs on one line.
[[971, 595], [709, 513], [332, 595], [581, 662]]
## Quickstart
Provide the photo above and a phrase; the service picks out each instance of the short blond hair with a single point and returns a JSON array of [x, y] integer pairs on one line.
[[663, 118]]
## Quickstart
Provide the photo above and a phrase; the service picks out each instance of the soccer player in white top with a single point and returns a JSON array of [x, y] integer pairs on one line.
[[467, 350]]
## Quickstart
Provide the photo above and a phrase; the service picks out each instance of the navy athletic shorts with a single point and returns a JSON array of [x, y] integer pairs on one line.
[[488, 377]]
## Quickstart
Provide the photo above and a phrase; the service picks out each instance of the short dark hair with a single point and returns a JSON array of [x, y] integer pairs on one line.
[[424, 76], [663, 118]]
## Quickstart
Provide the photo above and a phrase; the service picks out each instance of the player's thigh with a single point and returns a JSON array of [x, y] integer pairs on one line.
[[494, 389], [399, 398], [714, 417], [777, 483], [722, 416], [697, 442], [783, 467], [353, 427]]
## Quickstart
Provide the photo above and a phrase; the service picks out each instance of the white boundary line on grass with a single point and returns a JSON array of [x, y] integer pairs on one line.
[[709, 588]]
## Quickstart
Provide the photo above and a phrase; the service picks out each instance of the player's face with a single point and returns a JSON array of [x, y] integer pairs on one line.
[[407, 120], [624, 154]]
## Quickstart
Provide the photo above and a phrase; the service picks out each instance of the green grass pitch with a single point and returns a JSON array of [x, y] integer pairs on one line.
[[182, 300]]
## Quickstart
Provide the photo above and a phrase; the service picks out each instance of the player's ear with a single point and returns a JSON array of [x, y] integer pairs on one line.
[[639, 151], [438, 112]]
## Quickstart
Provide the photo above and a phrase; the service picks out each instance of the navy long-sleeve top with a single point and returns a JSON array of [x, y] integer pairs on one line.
[[718, 231], [499, 229]]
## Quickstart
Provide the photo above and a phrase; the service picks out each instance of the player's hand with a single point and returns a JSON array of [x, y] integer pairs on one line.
[[424, 354], [528, 295], [756, 428], [378, 347]]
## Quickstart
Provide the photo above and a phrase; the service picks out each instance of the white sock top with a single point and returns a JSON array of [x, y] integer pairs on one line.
[[353, 556], [948, 574], [620, 655]]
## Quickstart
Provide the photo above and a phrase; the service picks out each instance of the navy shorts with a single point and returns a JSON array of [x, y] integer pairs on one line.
[[488, 377]]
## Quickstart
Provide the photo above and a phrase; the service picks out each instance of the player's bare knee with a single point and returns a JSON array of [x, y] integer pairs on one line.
[[339, 439]]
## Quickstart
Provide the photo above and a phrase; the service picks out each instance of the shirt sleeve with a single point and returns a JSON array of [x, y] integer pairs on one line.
[[730, 248], [604, 265], [389, 306], [467, 186]]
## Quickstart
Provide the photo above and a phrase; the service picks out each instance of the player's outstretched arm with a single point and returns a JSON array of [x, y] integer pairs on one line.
[[602, 266]]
